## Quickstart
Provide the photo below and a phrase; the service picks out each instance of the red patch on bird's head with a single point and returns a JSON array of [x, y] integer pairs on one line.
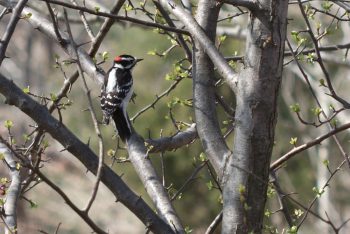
[[118, 59]]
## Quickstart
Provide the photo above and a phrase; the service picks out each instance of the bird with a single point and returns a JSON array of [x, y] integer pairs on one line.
[[116, 92]]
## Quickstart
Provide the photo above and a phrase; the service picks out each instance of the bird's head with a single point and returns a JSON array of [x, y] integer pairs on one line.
[[125, 62]]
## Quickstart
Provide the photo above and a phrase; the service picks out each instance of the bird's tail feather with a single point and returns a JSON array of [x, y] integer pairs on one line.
[[122, 124]]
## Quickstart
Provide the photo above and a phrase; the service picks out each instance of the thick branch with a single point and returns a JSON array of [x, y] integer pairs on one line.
[[204, 90], [11, 28], [252, 5], [173, 142], [197, 32], [246, 174], [13, 190], [15, 96], [153, 185]]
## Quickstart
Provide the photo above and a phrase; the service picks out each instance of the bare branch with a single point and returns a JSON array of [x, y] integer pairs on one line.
[[153, 185], [44, 26], [158, 98], [122, 18], [252, 5], [275, 165], [214, 224], [197, 32], [171, 24], [66, 199], [173, 142], [319, 59], [93, 117], [86, 24], [15, 96], [13, 190], [189, 180], [204, 90], [11, 28]]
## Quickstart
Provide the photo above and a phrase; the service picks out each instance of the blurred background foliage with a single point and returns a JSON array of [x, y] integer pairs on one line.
[[32, 63]]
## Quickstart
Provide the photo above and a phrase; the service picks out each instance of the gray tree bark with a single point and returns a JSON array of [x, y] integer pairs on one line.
[[246, 173], [204, 90]]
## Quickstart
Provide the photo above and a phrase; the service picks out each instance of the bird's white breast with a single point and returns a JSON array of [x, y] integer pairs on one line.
[[112, 81]]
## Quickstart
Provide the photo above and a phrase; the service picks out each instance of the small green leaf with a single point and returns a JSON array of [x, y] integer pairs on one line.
[[188, 230], [326, 5], [128, 7], [53, 97], [202, 157], [298, 213], [293, 230], [267, 213], [318, 191], [111, 153], [222, 38], [270, 191], [33, 204], [26, 90], [152, 52], [97, 9], [310, 58], [4, 180], [295, 107], [105, 55], [8, 124], [325, 162], [45, 144], [334, 122], [316, 111], [241, 189], [293, 141], [27, 16], [209, 185], [322, 83]]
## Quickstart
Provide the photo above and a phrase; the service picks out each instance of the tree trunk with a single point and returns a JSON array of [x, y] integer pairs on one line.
[[246, 173]]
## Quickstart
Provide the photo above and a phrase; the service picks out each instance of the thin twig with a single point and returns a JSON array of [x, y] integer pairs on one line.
[[122, 18], [93, 117], [158, 97], [86, 24], [275, 165], [189, 179]]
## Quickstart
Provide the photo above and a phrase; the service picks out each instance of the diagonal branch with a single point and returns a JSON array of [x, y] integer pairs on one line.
[[138, 155], [11, 28], [45, 26], [15, 96], [197, 32], [275, 165]]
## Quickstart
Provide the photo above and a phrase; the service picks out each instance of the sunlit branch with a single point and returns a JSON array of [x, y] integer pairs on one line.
[[13, 191], [279, 162]]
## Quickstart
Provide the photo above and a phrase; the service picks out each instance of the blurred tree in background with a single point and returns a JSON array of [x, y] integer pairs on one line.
[[239, 115]]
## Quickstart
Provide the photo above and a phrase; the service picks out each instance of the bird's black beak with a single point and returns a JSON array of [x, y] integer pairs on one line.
[[138, 60]]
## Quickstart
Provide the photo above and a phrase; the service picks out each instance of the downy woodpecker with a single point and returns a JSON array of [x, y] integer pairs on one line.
[[116, 93]]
